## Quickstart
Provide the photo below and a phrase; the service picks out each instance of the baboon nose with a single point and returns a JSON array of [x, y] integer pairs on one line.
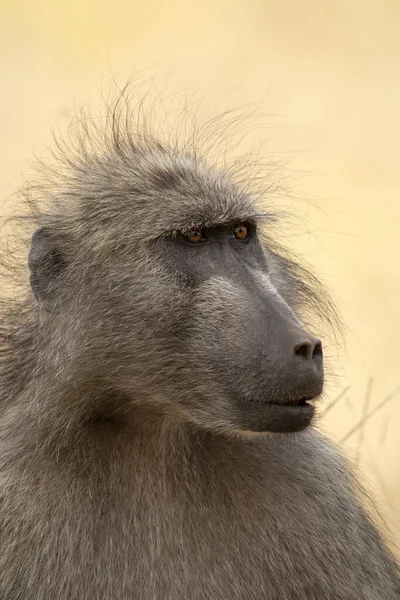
[[305, 359], [308, 348]]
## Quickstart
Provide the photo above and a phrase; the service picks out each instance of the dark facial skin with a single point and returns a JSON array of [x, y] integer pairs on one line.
[[267, 364]]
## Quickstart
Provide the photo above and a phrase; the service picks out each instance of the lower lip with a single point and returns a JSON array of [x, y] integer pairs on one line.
[[276, 418]]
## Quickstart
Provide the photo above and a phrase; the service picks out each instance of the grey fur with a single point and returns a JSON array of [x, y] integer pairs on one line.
[[126, 473]]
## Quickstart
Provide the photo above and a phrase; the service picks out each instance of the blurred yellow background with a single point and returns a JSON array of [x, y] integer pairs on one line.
[[329, 74]]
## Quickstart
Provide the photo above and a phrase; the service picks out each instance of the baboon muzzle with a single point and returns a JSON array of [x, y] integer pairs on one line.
[[295, 376]]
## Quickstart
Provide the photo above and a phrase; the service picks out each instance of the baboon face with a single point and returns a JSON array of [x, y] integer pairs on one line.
[[243, 343], [178, 304]]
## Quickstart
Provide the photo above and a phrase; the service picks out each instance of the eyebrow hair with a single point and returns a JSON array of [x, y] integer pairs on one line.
[[186, 226]]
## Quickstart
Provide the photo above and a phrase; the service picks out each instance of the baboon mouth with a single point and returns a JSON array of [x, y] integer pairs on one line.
[[286, 416], [296, 402], [291, 402]]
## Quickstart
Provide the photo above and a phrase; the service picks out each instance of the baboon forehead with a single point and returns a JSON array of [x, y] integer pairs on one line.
[[182, 192], [147, 194]]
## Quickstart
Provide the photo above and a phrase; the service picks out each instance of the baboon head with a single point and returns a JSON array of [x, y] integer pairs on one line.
[[157, 287]]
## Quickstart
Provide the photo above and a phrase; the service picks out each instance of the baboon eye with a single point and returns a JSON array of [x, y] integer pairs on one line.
[[240, 231], [196, 236]]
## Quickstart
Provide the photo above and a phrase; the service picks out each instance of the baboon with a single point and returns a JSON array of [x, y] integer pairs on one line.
[[158, 387]]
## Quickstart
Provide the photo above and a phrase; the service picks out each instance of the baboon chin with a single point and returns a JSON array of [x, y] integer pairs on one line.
[[162, 328]]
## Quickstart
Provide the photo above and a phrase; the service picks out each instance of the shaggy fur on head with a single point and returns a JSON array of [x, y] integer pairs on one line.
[[126, 469]]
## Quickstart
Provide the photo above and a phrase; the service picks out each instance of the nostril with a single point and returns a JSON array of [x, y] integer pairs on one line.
[[309, 349], [304, 349], [317, 352]]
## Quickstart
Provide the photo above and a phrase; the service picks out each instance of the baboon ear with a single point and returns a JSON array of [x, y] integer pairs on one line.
[[45, 263]]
